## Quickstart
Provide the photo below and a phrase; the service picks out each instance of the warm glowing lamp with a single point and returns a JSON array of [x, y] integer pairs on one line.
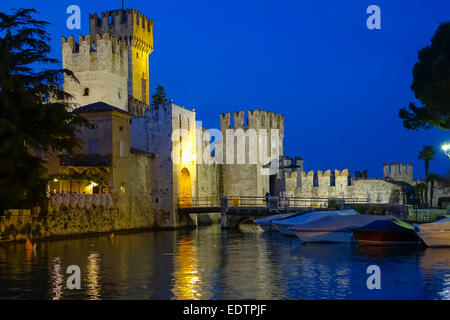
[[446, 148]]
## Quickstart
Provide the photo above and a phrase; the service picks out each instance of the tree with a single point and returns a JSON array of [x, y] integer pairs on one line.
[[431, 85], [432, 178], [35, 114], [159, 97], [420, 188], [427, 155]]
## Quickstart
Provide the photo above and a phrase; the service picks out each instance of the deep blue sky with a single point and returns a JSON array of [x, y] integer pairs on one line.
[[339, 85]]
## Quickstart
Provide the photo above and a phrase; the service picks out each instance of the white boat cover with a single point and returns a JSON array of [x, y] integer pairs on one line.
[[336, 223], [267, 221], [437, 226], [314, 215]]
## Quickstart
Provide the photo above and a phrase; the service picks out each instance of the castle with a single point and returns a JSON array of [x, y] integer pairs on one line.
[[154, 160]]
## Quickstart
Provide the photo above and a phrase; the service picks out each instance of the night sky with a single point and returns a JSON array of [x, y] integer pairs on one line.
[[339, 85]]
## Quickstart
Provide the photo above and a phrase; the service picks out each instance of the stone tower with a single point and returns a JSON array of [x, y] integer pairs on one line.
[[251, 151], [101, 69], [137, 31], [111, 62]]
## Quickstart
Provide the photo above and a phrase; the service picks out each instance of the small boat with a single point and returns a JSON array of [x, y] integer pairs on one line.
[[266, 223], [436, 234], [386, 232], [334, 228], [284, 225]]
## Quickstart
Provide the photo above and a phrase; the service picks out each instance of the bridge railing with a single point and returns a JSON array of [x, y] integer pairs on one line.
[[199, 202], [262, 201]]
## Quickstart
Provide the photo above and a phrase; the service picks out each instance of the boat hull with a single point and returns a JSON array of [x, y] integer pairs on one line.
[[436, 239], [385, 238], [284, 229], [324, 236]]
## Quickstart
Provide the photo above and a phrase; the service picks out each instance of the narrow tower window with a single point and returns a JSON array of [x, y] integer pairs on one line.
[[86, 92]]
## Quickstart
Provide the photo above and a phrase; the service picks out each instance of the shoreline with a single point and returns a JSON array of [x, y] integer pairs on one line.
[[56, 238]]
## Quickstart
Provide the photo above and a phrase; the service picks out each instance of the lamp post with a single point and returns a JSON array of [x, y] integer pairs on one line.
[[446, 148]]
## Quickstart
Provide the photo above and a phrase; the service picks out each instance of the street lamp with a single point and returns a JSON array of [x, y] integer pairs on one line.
[[446, 148]]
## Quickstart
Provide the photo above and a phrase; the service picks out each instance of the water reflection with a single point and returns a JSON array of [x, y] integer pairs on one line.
[[187, 280], [57, 279], [433, 262], [322, 271], [93, 276], [211, 264]]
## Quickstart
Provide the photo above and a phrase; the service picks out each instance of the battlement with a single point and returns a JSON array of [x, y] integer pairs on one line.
[[128, 25], [102, 52], [257, 119], [320, 174], [317, 179], [398, 171]]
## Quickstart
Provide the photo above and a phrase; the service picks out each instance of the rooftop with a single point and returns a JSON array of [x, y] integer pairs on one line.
[[100, 107]]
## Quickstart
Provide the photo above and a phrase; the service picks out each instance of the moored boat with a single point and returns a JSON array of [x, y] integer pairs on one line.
[[266, 222], [386, 232], [284, 225], [334, 228], [436, 234]]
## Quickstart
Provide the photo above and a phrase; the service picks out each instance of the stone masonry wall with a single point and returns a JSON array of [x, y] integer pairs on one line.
[[71, 222], [371, 190], [100, 63]]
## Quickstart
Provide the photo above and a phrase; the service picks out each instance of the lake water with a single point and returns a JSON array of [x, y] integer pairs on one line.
[[211, 264]]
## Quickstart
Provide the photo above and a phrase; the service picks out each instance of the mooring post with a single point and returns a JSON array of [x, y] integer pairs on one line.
[[223, 212]]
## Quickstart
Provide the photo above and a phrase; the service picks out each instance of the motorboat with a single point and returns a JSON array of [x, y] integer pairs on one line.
[[334, 228], [284, 225], [386, 232], [266, 222], [435, 234]]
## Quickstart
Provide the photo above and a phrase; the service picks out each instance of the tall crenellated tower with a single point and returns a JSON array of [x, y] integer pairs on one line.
[[251, 151], [136, 30], [111, 63], [100, 64]]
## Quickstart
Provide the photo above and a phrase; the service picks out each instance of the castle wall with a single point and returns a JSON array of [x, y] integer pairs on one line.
[[245, 176], [153, 133], [100, 65], [441, 190], [399, 172], [371, 190], [137, 31]]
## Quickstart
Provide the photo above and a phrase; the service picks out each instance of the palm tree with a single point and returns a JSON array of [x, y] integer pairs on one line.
[[432, 178], [427, 155], [420, 187]]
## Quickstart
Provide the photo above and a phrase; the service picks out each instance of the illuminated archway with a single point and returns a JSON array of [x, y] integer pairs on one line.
[[185, 189]]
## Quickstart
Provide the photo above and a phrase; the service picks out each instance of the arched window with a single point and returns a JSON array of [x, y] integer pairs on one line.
[[86, 92]]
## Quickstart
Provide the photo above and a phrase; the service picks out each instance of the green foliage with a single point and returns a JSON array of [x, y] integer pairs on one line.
[[443, 200], [159, 97], [431, 85], [35, 113], [84, 176], [427, 154]]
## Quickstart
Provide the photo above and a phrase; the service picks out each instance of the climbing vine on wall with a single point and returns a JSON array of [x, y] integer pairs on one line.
[[79, 177]]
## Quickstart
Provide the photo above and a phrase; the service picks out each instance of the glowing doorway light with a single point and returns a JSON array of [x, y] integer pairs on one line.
[[446, 148]]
